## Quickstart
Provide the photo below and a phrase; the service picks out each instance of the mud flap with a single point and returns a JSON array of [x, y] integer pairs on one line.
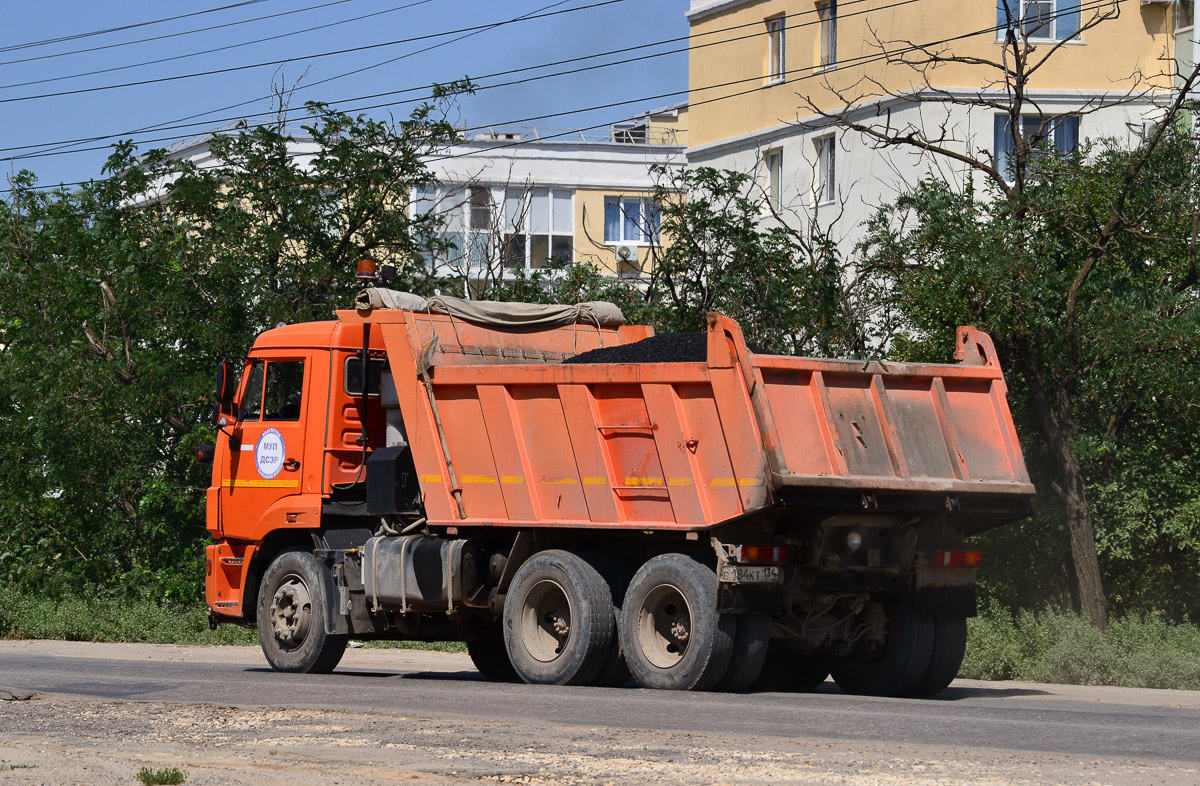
[[945, 601]]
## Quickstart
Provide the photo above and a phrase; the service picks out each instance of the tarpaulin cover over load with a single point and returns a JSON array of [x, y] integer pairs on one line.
[[493, 314]]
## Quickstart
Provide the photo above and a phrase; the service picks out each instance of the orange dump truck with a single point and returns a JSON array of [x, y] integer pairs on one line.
[[435, 471]]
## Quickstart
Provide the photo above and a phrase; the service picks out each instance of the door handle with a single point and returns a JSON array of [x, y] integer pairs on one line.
[[291, 464]]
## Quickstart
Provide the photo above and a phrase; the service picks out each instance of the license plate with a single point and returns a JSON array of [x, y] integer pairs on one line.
[[749, 574]]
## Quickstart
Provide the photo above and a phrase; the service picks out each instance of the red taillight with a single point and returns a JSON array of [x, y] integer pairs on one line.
[[770, 555], [957, 559]]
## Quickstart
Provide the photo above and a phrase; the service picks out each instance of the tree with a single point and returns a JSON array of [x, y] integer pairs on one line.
[[727, 248], [119, 297], [1089, 285], [1051, 345]]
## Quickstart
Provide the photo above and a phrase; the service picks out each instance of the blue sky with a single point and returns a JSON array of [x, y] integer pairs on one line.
[[28, 121]]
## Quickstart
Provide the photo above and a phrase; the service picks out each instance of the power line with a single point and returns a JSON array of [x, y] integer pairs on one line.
[[106, 31], [315, 56], [624, 51], [861, 60], [226, 48], [166, 125]]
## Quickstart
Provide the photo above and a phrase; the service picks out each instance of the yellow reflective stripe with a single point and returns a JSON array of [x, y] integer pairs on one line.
[[561, 482], [679, 481], [478, 479], [643, 481], [595, 480], [431, 478], [512, 479], [261, 484], [736, 482]]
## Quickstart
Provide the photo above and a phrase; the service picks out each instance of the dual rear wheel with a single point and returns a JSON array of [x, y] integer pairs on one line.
[[571, 620], [920, 656]]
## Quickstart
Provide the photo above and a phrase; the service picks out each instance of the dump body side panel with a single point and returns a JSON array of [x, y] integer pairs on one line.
[[503, 434]]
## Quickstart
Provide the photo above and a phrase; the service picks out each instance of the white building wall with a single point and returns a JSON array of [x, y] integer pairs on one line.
[[868, 177]]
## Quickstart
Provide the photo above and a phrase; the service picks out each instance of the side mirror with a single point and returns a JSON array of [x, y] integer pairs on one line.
[[226, 382], [225, 409]]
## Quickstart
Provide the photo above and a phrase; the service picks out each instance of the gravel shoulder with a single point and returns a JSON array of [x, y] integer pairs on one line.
[[66, 739]]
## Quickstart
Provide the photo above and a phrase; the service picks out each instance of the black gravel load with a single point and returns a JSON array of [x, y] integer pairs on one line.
[[663, 348]]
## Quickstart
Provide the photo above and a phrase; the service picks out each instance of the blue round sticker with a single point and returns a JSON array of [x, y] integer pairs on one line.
[[269, 453]]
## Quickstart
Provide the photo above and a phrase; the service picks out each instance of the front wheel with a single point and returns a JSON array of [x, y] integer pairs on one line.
[[291, 626], [671, 634]]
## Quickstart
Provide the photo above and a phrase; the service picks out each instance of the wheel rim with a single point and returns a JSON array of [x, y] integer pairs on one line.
[[664, 627], [291, 612], [546, 621]]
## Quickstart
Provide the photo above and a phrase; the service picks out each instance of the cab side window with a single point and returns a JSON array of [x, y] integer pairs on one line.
[[284, 390], [251, 406]]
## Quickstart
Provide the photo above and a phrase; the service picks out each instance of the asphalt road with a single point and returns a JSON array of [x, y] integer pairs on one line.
[[1140, 725]]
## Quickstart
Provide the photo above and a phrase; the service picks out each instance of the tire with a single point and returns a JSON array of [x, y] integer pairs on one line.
[[750, 644], [559, 627], [949, 648], [788, 671], [900, 667], [671, 634], [291, 617], [616, 574], [490, 656]]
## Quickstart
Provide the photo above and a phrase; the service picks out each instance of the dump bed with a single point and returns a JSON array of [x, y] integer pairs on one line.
[[504, 434]]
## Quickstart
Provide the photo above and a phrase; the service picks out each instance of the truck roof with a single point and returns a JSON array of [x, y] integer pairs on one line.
[[308, 335]]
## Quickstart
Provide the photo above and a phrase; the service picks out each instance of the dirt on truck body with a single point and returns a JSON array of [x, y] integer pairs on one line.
[[718, 519]]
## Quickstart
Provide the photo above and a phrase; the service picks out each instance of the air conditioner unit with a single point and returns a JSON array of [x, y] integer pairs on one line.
[[626, 252]]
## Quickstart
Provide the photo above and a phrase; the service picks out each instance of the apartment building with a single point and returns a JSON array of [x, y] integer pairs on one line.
[[767, 76], [526, 199]]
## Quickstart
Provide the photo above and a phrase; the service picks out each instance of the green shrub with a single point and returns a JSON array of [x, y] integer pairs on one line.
[[169, 776], [109, 617], [1140, 651]]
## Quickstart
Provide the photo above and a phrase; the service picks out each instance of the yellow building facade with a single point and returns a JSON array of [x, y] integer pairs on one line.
[[766, 75]]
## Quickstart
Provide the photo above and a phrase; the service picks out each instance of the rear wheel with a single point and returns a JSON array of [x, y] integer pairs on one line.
[[558, 620], [671, 634], [949, 648], [895, 667], [291, 625], [750, 644], [616, 574], [789, 671], [490, 657]]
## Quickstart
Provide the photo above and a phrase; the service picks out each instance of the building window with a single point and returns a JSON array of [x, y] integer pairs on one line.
[[777, 49], [828, 17], [1045, 20], [551, 227], [515, 243], [631, 220], [826, 169], [775, 178], [1185, 14], [1045, 135], [481, 227]]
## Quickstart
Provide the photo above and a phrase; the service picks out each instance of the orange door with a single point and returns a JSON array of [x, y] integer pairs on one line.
[[268, 464]]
